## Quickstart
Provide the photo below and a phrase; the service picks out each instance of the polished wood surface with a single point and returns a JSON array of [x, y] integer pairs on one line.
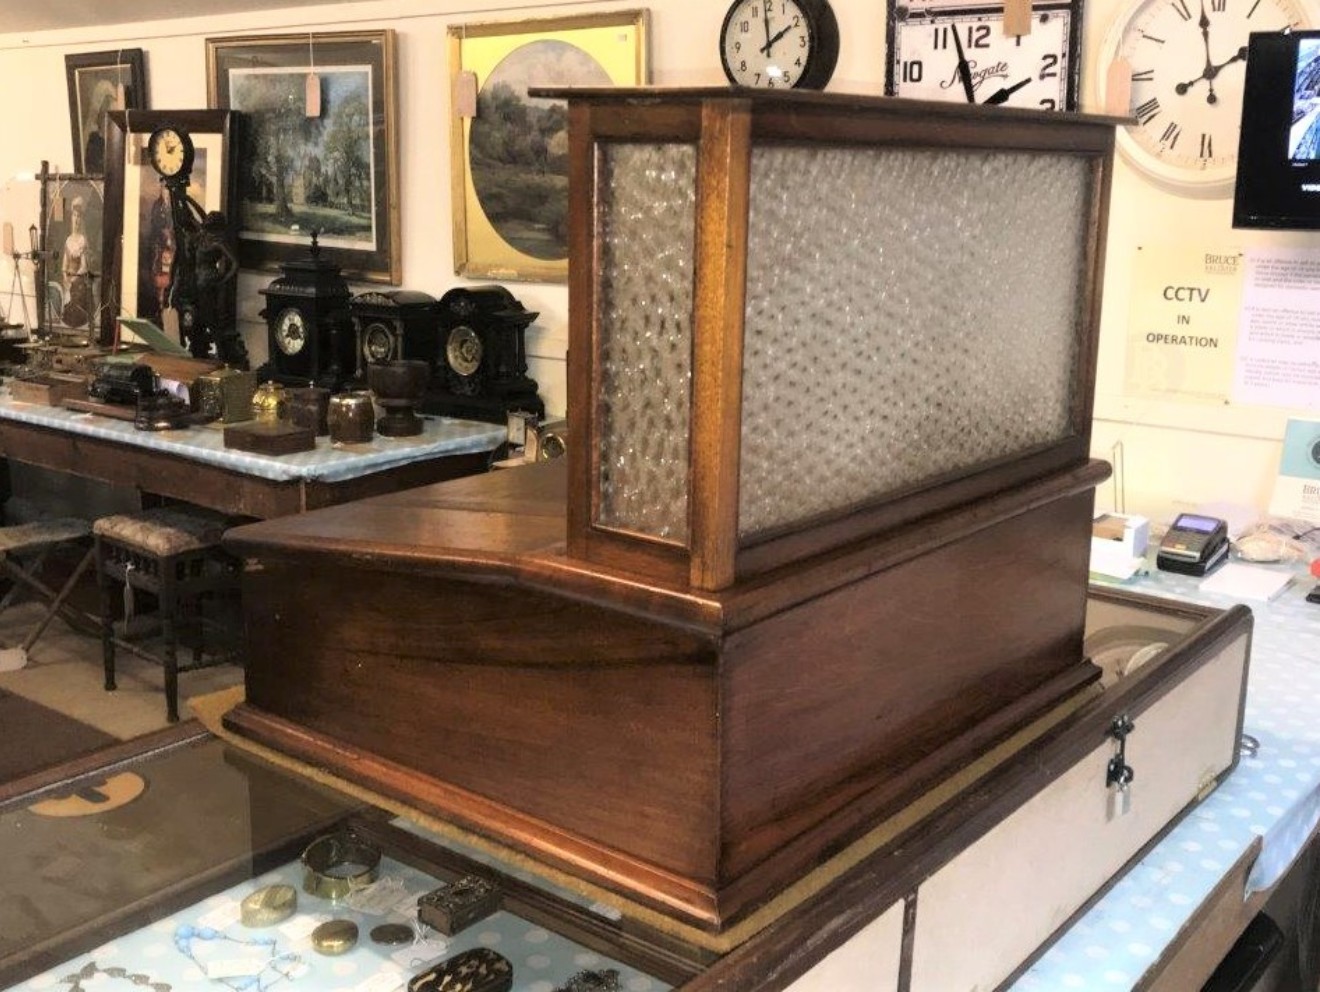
[[696, 750], [236, 493]]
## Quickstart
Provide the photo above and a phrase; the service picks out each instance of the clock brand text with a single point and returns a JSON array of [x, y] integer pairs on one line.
[[997, 71]]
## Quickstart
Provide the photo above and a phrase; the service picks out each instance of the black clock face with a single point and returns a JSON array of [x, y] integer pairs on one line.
[[378, 343], [464, 350], [291, 332]]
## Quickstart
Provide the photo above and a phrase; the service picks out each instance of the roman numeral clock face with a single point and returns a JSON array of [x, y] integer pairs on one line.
[[1186, 61]]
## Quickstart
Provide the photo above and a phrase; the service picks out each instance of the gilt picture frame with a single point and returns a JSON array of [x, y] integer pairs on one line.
[[136, 235], [509, 160], [100, 82], [322, 132]]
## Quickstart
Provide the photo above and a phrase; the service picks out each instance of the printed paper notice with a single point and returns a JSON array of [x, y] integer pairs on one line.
[[1278, 360], [1183, 323]]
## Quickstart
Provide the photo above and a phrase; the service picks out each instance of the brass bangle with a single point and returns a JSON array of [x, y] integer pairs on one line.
[[337, 864]]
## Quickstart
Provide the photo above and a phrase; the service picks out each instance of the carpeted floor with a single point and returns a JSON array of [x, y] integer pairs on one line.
[[47, 737]]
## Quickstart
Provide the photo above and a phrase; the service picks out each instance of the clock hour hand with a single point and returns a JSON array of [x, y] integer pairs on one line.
[[964, 67], [770, 44], [1002, 94]]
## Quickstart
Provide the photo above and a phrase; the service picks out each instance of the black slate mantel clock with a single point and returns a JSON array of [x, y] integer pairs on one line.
[[481, 373], [309, 324]]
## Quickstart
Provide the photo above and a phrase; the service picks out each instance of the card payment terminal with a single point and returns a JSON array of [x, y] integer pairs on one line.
[[1194, 545]]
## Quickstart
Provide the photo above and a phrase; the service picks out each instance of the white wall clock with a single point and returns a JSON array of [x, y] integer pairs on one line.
[[1186, 61]]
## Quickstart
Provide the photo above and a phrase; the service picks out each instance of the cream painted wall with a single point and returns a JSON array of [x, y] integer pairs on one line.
[[1176, 454]]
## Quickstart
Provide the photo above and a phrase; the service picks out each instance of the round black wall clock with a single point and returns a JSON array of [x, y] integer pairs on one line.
[[779, 44]]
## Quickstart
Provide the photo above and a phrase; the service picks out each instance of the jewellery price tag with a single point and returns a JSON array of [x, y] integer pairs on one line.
[[422, 953], [221, 918], [301, 927], [407, 905], [235, 967], [465, 94], [380, 897], [382, 981]]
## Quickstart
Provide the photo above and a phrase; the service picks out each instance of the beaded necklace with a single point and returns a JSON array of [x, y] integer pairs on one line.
[[281, 964]]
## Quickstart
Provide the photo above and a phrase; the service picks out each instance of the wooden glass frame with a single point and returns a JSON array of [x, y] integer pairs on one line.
[[129, 179], [610, 49], [94, 80], [69, 285], [300, 183]]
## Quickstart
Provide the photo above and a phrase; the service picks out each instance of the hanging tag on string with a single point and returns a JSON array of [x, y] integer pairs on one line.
[[1118, 88], [8, 236], [465, 94], [57, 210], [128, 594], [1017, 17], [313, 95]]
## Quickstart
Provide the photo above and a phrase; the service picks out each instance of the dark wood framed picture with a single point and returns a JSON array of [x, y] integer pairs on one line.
[[137, 234], [322, 132], [69, 271], [100, 82]]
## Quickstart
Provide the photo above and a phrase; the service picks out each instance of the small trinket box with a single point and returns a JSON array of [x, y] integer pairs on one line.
[[477, 970], [456, 905]]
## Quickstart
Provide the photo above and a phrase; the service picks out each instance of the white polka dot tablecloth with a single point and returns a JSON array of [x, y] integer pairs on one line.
[[191, 950], [1274, 795]]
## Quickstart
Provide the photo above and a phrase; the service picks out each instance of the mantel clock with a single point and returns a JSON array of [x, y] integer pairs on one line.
[[482, 363], [309, 324], [394, 324]]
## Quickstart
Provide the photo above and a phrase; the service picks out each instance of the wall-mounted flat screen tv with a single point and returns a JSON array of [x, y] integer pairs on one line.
[[1278, 173]]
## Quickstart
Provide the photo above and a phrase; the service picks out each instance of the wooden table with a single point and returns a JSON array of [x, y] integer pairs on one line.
[[194, 465]]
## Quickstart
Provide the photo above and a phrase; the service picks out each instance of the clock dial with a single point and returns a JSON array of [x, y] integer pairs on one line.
[[1186, 60], [377, 343], [779, 44], [169, 151], [1031, 70], [291, 332], [464, 350]]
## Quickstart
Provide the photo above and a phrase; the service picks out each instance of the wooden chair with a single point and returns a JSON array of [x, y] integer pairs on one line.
[[24, 549], [174, 554]]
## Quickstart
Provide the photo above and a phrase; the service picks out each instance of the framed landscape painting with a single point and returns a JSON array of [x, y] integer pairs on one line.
[[321, 147], [509, 162]]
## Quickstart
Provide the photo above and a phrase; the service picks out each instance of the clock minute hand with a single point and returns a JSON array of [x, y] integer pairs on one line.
[[964, 67], [1002, 94]]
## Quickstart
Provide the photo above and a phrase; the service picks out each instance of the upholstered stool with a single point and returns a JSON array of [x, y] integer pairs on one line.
[[174, 554], [24, 548]]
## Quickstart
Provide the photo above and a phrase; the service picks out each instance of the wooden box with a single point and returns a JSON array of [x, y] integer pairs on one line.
[[270, 439], [49, 388]]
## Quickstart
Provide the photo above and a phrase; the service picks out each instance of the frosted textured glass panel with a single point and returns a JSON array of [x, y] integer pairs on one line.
[[909, 313], [645, 239]]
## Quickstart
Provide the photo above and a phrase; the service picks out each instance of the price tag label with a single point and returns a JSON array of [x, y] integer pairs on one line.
[[1017, 17], [383, 981], [421, 953], [235, 967], [222, 917], [301, 927]]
